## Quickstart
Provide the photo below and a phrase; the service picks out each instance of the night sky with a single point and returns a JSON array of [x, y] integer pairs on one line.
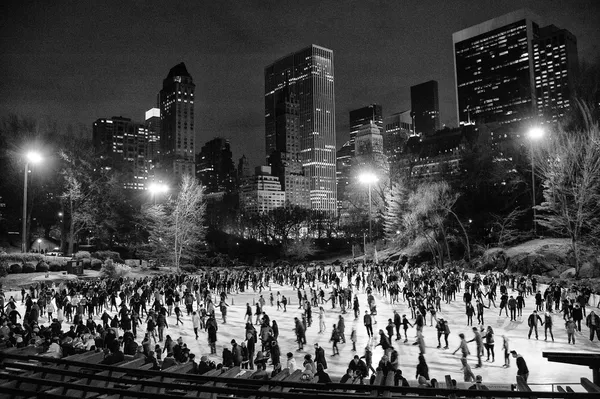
[[76, 61]]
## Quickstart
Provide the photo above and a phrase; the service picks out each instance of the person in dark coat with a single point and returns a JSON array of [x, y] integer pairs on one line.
[[323, 376], [320, 356], [422, 368], [522, 369]]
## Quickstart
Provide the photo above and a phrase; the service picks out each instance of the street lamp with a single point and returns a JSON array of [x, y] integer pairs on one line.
[[39, 241], [535, 134], [157, 188], [369, 178], [30, 158]]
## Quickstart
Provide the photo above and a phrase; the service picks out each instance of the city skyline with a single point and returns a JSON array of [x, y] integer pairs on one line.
[[57, 65]]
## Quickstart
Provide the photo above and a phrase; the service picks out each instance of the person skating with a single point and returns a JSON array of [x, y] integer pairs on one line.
[[505, 347], [592, 321], [548, 326], [397, 324], [522, 369], [532, 322], [405, 324], [571, 327], [479, 341], [320, 356], [489, 344], [442, 329], [335, 338], [368, 322]]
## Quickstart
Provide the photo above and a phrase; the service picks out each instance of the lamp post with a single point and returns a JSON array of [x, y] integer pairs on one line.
[[157, 188], [39, 241], [369, 178], [33, 158], [534, 134]]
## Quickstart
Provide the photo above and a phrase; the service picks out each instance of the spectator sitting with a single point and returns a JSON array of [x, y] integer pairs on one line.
[[399, 379], [323, 376], [347, 376], [478, 385], [423, 383], [261, 373], [115, 356]]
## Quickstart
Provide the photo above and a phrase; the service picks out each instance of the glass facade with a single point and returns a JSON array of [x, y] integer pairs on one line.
[[177, 137], [494, 70], [555, 63], [308, 75]]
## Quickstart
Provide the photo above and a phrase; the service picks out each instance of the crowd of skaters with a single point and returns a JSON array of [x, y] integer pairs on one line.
[[130, 317]]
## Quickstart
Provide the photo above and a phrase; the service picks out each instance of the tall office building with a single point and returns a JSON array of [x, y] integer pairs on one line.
[[342, 169], [306, 77], [215, 168], [122, 144], [284, 158], [153, 151], [555, 65], [425, 106], [177, 137], [493, 69], [398, 128], [364, 116]]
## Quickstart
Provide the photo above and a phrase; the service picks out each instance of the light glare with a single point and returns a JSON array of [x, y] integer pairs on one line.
[[34, 157], [368, 178]]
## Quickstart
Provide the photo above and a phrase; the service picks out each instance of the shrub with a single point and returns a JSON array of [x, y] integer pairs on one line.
[[42, 267], [96, 264], [104, 255], [87, 263], [189, 268], [20, 258], [82, 255], [112, 270], [28, 267], [3, 268], [16, 268], [56, 266]]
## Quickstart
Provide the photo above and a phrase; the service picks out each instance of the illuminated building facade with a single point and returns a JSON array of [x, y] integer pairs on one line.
[[555, 65], [177, 137], [214, 167], [122, 145], [493, 69], [262, 192], [306, 77], [398, 129]]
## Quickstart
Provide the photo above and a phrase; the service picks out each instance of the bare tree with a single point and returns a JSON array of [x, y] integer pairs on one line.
[[177, 227], [505, 226], [570, 167]]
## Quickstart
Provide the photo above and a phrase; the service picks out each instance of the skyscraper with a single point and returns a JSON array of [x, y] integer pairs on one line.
[[555, 64], [398, 128], [177, 137], [214, 166], [306, 77], [425, 107], [153, 151], [122, 145], [364, 116], [493, 69]]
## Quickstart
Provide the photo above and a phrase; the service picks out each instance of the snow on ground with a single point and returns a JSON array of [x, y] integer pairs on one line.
[[441, 362]]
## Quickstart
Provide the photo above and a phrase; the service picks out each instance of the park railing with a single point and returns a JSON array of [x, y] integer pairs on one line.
[[81, 376]]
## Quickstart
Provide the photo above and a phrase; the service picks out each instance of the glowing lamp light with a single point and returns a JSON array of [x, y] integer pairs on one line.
[[368, 178], [155, 188], [34, 157], [536, 133]]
